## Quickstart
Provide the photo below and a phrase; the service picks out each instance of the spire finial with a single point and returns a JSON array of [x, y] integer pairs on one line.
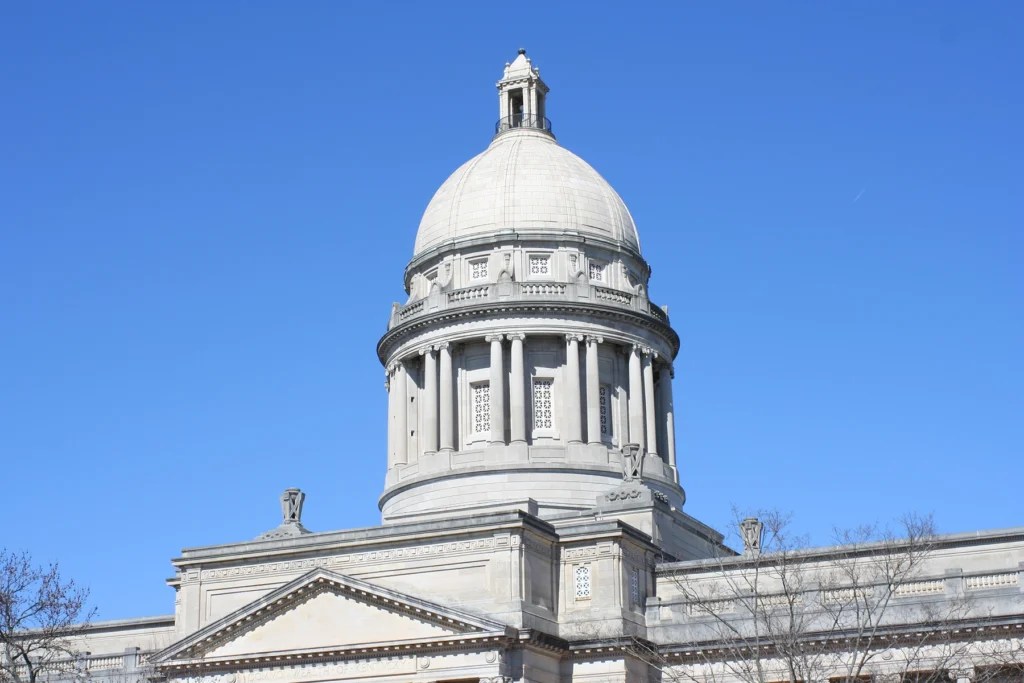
[[522, 50]]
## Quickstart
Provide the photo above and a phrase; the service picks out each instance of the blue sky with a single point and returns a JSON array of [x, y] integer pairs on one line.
[[206, 209]]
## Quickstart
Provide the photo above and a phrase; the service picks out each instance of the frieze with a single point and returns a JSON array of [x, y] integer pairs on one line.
[[589, 551], [347, 560], [309, 672]]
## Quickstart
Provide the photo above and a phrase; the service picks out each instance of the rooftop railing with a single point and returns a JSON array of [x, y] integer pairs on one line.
[[513, 121], [526, 291]]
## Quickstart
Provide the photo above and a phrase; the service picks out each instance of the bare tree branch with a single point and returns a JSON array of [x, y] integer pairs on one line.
[[41, 614]]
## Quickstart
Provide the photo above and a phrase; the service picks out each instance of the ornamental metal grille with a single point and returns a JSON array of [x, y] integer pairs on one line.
[[597, 272], [478, 270], [481, 408], [539, 265], [634, 586], [542, 404], [604, 409], [582, 582]]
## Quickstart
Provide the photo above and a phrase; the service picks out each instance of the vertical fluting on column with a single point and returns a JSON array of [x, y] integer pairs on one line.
[[574, 432], [400, 388], [665, 383], [429, 428], [652, 425], [636, 399], [593, 392], [389, 384], [517, 390], [447, 405], [497, 390]]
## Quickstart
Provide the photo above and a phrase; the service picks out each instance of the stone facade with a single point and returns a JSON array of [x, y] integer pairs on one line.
[[533, 526]]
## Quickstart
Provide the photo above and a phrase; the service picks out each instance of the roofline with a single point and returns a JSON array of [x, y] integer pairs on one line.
[[361, 536], [954, 540]]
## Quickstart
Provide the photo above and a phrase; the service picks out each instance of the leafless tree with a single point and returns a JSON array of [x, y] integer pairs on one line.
[[41, 615], [783, 611]]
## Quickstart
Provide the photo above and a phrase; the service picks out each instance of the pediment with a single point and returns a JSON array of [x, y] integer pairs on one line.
[[326, 613]]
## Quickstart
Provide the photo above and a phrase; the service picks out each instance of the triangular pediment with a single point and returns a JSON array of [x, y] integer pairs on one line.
[[324, 612]]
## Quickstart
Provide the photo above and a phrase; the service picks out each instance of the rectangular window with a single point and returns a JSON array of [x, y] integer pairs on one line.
[[481, 408], [542, 404], [604, 394], [597, 272], [634, 586], [582, 581], [478, 270], [540, 265]]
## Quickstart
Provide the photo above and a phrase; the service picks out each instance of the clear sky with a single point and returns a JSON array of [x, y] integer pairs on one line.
[[206, 209]]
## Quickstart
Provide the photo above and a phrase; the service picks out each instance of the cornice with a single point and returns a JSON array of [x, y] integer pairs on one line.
[[393, 336], [308, 551], [941, 542]]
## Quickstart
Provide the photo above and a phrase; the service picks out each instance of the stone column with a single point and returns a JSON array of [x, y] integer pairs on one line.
[[446, 401], [517, 390], [652, 424], [665, 385], [429, 429], [400, 387], [572, 388], [389, 384], [533, 104], [497, 390], [636, 399], [593, 392]]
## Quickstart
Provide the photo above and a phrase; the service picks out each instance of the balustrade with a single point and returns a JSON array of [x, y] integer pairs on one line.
[[517, 291]]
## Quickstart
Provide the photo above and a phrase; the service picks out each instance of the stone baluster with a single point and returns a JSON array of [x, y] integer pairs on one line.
[[593, 392], [429, 429], [497, 390], [400, 388], [572, 388], [668, 411], [636, 398], [649, 413], [517, 390], [447, 403]]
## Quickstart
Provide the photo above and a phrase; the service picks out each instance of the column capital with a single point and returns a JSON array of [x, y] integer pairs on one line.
[[516, 335], [641, 350], [427, 349], [442, 346], [494, 337], [573, 336], [594, 339]]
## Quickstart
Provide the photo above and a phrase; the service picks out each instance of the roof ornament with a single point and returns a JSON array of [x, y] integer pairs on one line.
[[291, 513], [752, 531], [632, 462]]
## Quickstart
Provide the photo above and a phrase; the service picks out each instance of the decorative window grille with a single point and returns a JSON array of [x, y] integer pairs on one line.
[[634, 586], [481, 408], [596, 272], [582, 581], [542, 404], [604, 395], [539, 265], [478, 270]]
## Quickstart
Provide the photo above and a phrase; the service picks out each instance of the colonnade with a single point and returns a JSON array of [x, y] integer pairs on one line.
[[438, 395]]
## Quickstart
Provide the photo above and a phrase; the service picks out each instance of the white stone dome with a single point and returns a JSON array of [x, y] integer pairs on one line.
[[525, 183]]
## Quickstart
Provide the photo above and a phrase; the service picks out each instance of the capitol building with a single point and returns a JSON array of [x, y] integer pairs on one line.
[[533, 515]]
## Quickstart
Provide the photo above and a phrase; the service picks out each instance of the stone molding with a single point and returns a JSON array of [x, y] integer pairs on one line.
[[393, 338], [341, 561]]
